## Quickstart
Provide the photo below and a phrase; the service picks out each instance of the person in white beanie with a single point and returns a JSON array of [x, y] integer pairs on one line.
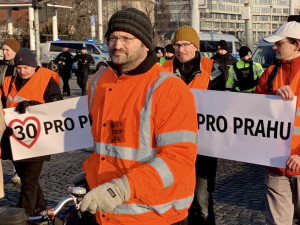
[[283, 79]]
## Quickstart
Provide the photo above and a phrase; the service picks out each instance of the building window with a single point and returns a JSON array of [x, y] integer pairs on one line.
[[218, 16], [222, 7], [224, 25], [265, 10], [206, 24], [283, 2], [231, 25], [264, 18], [255, 9], [285, 10], [216, 25], [232, 17], [263, 2], [209, 15], [228, 8], [236, 9]]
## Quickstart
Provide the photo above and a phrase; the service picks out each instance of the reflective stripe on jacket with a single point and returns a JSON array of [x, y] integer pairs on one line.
[[39, 81], [288, 74], [200, 81], [145, 127]]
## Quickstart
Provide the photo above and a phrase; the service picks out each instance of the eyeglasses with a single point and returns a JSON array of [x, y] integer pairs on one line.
[[280, 43], [123, 39], [183, 45]]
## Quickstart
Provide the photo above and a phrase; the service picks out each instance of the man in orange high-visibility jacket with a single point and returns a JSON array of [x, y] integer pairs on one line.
[[31, 86], [144, 126], [199, 73], [283, 79]]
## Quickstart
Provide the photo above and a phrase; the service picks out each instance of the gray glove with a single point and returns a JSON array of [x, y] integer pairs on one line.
[[106, 197]]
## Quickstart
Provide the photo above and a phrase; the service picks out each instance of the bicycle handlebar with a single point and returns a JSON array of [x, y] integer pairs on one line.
[[75, 196]]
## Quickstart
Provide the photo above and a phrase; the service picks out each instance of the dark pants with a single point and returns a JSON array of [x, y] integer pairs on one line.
[[31, 196], [182, 222], [82, 77], [201, 211], [65, 75]]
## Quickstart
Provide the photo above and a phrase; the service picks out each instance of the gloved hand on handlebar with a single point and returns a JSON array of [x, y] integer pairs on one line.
[[21, 107], [106, 197]]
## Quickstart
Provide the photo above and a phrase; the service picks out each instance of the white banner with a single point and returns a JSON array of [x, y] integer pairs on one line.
[[250, 128], [50, 128]]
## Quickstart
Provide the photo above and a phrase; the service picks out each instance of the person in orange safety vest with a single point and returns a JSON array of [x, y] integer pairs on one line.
[[144, 126], [31, 85], [283, 79], [198, 73]]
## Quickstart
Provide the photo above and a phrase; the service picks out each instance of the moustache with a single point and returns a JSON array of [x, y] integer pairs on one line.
[[118, 51]]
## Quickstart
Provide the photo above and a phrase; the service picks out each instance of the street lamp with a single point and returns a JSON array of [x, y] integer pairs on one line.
[[271, 12]]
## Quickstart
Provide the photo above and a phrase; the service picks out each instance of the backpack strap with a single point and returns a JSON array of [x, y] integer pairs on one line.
[[273, 76]]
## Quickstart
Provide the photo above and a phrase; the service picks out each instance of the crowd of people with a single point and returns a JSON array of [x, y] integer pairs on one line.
[[145, 168]]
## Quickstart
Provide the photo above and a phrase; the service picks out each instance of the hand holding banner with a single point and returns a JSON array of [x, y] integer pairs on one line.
[[50, 128], [245, 127]]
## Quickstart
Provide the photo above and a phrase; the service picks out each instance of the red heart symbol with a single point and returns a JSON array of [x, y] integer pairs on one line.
[[26, 139]]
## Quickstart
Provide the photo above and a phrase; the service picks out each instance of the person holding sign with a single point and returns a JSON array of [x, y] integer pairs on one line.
[[283, 79], [144, 126], [199, 73], [31, 86]]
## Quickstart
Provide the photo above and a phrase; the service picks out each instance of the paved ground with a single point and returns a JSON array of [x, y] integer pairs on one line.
[[239, 195]]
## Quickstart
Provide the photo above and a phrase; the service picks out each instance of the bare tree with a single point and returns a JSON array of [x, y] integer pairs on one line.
[[161, 23]]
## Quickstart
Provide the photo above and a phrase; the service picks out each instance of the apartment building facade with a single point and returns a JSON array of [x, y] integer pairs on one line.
[[226, 16]]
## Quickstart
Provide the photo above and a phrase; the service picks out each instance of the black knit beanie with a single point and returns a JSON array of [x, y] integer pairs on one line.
[[222, 45], [170, 48], [25, 57], [133, 21], [244, 50]]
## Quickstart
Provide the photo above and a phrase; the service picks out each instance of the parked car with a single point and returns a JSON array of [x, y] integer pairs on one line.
[[99, 51], [264, 53], [209, 43]]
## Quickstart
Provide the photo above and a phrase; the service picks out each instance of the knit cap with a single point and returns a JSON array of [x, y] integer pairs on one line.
[[170, 48], [187, 33], [244, 50], [157, 49], [25, 57], [222, 45], [13, 44], [132, 21]]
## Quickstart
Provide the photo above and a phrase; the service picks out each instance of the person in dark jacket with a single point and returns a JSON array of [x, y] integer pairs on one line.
[[198, 73], [10, 47], [15, 90], [65, 61], [84, 60], [224, 58]]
